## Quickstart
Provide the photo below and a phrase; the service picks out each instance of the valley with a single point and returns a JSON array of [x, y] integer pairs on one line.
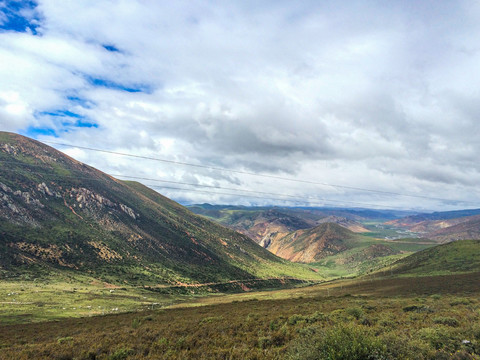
[[239, 180]]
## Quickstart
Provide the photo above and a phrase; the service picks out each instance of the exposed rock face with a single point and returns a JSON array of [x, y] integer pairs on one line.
[[9, 149], [44, 189], [269, 226], [88, 199], [20, 204], [443, 227], [15, 205], [343, 221], [128, 211]]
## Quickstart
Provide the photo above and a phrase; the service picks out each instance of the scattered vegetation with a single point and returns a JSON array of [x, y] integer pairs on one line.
[[383, 318]]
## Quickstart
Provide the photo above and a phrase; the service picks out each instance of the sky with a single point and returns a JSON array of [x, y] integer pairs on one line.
[[320, 103]]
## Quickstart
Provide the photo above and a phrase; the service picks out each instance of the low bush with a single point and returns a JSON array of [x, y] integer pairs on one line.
[[448, 321], [342, 342]]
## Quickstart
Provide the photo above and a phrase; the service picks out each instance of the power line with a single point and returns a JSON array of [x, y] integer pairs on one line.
[[248, 173], [298, 199], [227, 188]]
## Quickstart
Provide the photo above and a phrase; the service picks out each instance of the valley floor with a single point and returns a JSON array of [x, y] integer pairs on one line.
[[435, 317]]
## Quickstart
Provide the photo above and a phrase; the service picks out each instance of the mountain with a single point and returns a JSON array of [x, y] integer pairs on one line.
[[441, 215], [58, 214], [325, 236], [443, 227], [344, 222], [260, 224], [266, 225], [468, 228], [455, 257], [313, 244]]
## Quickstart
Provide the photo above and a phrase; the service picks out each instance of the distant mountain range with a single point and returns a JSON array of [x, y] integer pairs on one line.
[[59, 214], [333, 239], [315, 235], [443, 227], [267, 224]]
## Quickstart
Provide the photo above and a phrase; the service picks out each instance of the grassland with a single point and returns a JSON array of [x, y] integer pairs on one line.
[[69, 294], [455, 257], [377, 318]]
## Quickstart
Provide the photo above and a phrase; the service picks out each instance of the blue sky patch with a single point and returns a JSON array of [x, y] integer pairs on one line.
[[84, 103], [82, 123], [33, 132], [19, 16], [61, 113], [65, 120], [117, 86], [111, 48]]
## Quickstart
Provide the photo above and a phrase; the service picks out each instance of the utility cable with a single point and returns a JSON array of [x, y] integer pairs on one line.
[[222, 188], [298, 199], [246, 172]]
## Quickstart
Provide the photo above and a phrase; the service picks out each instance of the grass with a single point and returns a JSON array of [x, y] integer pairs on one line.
[[358, 261], [375, 318], [29, 301], [68, 294], [455, 257]]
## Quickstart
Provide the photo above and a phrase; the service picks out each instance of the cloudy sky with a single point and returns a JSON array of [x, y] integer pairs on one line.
[[344, 103]]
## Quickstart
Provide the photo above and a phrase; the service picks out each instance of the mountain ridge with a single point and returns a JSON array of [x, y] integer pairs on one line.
[[59, 213]]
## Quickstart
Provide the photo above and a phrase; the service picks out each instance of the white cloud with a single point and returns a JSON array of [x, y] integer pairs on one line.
[[353, 93]]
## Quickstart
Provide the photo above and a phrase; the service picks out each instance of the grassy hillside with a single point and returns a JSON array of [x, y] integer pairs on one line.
[[59, 214], [338, 252], [461, 256]]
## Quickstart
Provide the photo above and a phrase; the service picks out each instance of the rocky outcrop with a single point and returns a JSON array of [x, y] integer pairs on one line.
[[17, 205], [128, 211], [87, 199]]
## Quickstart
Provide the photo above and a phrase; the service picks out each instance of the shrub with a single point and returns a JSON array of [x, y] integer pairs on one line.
[[295, 318], [65, 339], [211, 319], [136, 323], [342, 342], [449, 321], [356, 312], [264, 342], [121, 354], [460, 301], [315, 317], [438, 338], [418, 309]]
